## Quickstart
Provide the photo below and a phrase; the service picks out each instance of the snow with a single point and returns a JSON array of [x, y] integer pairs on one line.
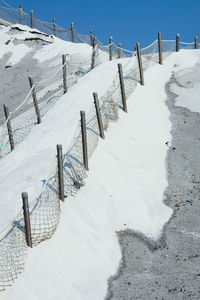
[[32, 160], [187, 91], [79, 53], [124, 189]]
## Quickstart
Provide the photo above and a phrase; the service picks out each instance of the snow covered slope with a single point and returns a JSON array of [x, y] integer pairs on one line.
[[124, 189], [27, 52]]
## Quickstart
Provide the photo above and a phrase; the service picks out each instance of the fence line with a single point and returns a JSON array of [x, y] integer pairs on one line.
[[45, 209]]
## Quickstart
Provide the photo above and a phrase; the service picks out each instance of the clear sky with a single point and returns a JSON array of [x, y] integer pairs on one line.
[[128, 21]]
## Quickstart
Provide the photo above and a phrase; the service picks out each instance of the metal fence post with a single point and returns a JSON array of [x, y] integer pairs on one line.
[[84, 140], [35, 102], [177, 42], [32, 19], [72, 32], [196, 42], [54, 27], [98, 112], [20, 14], [27, 224], [119, 52], [140, 63], [91, 37], [121, 79], [110, 48], [64, 62], [9, 128], [60, 173], [160, 48]]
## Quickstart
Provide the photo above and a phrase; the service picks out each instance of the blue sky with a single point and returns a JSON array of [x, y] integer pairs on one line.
[[127, 21]]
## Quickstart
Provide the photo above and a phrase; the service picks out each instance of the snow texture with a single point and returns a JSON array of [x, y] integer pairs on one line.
[[124, 189]]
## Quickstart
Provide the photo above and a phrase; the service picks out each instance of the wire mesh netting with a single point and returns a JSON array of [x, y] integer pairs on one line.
[[9, 14], [45, 209], [44, 217], [186, 45], [48, 92]]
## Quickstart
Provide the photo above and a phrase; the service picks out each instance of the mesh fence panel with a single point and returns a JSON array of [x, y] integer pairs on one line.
[[26, 19], [45, 211], [168, 47], [82, 38], [119, 52], [101, 54], [186, 45], [44, 218], [9, 14], [150, 55], [12, 256], [43, 26], [64, 34], [48, 92]]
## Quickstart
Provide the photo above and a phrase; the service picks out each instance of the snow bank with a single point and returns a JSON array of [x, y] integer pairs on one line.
[[53, 48], [187, 87], [124, 188]]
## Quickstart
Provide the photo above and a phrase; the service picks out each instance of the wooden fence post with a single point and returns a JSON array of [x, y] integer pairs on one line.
[[54, 27], [121, 79], [93, 59], [140, 63], [64, 62], [91, 37], [84, 140], [9, 128], [32, 19], [60, 173], [110, 48], [98, 112], [160, 48], [119, 52], [35, 102], [177, 42], [72, 32], [20, 14], [196, 42], [94, 42], [27, 224]]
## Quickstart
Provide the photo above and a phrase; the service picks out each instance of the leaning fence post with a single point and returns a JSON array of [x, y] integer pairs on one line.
[[99, 119], [35, 102], [60, 173], [72, 32], [27, 224], [177, 42], [91, 37], [119, 52], [54, 27], [140, 63], [84, 140], [32, 19], [121, 79], [9, 127], [64, 62], [20, 14], [110, 48], [160, 48], [196, 42]]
